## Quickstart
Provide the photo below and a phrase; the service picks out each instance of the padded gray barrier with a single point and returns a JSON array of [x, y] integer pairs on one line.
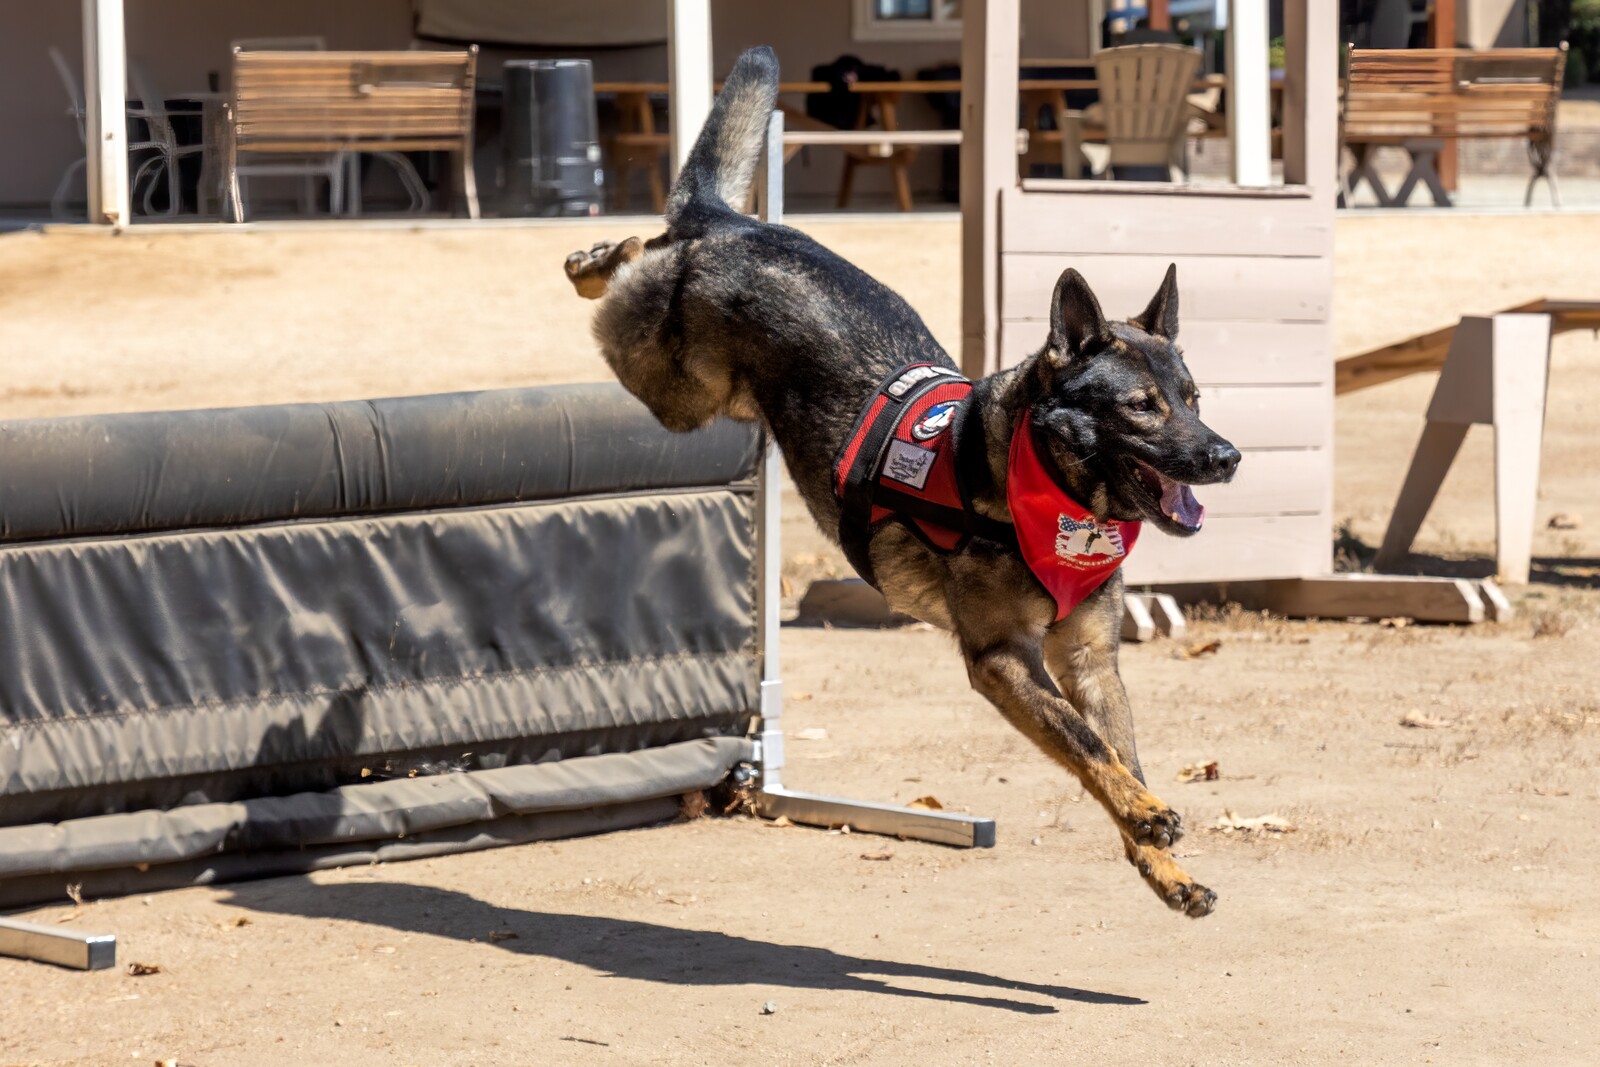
[[229, 640]]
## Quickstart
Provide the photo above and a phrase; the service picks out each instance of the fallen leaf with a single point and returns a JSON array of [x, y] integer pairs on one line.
[[497, 936], [886, 854], [1199, 772], [1561, 520], [811, 733], [928, 803], [237, 920], [75, 893], [681, 901], [1204, 648], [1416, 720], [799, 696], [1395, 622], [780, 822], [139, 970], [1230, 823]]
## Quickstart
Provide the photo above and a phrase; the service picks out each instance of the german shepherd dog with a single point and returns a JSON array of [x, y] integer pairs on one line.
[[725, 315]]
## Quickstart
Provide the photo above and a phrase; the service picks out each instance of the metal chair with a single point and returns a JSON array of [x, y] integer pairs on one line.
[[159, 138]]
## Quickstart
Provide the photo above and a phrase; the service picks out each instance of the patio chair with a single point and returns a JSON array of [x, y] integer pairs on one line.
[[1144, 106], [159, 138], [298, 104], [407, 174]]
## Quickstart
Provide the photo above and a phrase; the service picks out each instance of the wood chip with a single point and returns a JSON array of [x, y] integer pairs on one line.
[[139, 970], [927, 803], [1199, 772], [1203, 648], [811, 733], [1230, 823], [1416, 720], [497, 936], [779, 823], [886, 854]]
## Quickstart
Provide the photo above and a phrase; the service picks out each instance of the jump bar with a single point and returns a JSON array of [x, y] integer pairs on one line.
[[940, 827], [52, 944]]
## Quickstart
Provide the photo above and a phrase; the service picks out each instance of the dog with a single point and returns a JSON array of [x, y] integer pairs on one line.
[[726, 315]]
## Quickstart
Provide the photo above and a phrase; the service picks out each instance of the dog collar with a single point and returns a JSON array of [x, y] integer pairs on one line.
[[1066, 547]]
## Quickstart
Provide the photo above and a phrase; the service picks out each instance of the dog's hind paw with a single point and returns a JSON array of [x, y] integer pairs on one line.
[[1170, 882], [590, 272]]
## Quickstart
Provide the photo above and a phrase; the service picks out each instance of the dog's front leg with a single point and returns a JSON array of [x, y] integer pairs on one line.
[[1083, 661], [1011, 674]]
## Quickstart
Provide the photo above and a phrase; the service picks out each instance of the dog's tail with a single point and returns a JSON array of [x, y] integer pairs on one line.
[[716, 177]]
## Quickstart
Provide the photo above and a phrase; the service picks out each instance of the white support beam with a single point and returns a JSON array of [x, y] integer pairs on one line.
[[689, 74], [990, 52], [106, 112], [1249, 92]]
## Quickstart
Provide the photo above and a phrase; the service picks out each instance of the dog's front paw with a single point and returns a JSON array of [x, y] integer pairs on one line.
[[1170, 882], [1153, 823]]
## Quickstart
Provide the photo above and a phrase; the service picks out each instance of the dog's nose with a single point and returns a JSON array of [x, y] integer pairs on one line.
[[1224, 459]]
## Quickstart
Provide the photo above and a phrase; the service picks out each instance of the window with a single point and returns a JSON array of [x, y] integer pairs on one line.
[[907, 20]]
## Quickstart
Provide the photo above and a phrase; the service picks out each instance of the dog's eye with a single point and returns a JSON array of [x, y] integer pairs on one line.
[[1143, 403]]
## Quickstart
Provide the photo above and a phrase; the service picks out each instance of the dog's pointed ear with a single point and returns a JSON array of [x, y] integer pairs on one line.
[[1160, 319], [1077, 326]]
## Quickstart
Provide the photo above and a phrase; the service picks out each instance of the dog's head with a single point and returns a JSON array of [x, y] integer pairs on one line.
[[1119, 413]]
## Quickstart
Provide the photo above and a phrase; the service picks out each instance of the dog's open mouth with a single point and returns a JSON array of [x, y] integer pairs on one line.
[[1175, 499]]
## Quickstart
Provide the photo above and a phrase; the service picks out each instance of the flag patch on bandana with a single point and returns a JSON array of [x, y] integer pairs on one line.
[[1086, 541]]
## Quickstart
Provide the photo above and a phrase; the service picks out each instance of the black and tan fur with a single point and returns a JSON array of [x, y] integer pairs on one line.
[[725, 315]]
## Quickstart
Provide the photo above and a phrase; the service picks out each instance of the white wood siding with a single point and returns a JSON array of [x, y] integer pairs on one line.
[[1255, 282]]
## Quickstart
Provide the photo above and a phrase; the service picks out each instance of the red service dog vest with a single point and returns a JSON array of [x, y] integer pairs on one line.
[[899, 464]]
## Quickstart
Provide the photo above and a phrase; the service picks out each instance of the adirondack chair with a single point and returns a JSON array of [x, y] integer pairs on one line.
[[1144, 106]]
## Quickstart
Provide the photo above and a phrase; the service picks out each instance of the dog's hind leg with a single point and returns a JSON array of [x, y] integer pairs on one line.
[[590, 272]]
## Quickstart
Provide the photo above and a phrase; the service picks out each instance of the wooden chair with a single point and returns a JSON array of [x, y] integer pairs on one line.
[[294, 104], [1144, 106], [1418, 98]]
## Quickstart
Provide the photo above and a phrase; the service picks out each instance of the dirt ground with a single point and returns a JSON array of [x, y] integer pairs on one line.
[[1428, 907]]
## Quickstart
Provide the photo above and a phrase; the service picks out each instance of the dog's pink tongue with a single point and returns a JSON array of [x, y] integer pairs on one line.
[[1178, 502]]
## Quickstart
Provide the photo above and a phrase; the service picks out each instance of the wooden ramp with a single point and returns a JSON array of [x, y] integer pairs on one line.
[[1426, 352]]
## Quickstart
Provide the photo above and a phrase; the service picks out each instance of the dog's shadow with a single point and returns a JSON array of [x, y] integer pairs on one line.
[[627, 948]]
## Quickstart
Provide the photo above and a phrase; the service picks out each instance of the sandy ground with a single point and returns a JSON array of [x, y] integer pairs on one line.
[[1428, 907]]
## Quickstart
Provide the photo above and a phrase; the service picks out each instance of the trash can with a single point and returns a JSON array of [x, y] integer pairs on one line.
[[550, 151]]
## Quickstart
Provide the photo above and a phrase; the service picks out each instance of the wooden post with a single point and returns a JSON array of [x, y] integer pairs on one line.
[[1496, 374], [689, 74], [1442, 34], [1249, 95], [990, 52], [105, 113], [1310, 97]]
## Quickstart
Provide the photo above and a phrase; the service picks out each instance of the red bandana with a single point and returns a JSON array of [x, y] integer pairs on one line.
[[1070, 552]]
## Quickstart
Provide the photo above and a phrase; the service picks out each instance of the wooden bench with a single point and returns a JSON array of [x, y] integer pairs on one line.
[[1418, 98], [314, 103]]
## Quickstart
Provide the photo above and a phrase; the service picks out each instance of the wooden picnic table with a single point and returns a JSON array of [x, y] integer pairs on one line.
[[640, 143]]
